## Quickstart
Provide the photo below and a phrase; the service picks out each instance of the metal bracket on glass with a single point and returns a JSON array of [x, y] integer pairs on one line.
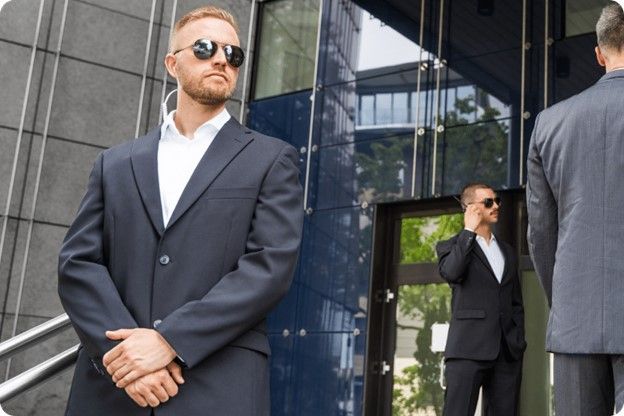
[[364, 205], [303, 150], [527, 46], [303, 332], [526, 115], [285, 333], [385, 296], [440, 128], [421, 131], [309, 211], [384, 368]]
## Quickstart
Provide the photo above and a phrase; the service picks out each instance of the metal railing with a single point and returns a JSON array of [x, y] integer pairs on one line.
[[43, 371]]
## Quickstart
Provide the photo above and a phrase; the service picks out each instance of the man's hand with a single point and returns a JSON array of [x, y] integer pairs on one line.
[[157, 387], [472, 217], [141, 352]]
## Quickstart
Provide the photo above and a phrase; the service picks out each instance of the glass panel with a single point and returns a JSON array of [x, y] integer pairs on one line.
[[335, 269], [581, 16], [419, 235], [536, 392], [286, 117], [475, 152], [287, 47], [371, 171], [328, 374], [417, 389]]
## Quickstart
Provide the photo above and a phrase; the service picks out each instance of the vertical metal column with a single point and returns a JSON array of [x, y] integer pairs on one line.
[[145, 64], [438, 127], [163, 93], [312, 107], [522, 91], [252, 21], [20, 131], [418, 130], [44, 139]]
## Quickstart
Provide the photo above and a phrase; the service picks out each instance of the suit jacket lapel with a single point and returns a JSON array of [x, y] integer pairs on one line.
[[144, 159], [231, 139], [507, 257], [481, 255]]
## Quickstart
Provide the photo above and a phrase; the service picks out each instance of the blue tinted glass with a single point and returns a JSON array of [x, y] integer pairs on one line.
[[334, 365], [335, 269], [282, 386], [375, 169]]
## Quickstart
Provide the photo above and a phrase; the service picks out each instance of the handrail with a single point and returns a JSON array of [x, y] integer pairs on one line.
[[38, 374], [33, 336]]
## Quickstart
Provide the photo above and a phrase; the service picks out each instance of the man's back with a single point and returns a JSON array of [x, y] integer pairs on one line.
[[575, 199]]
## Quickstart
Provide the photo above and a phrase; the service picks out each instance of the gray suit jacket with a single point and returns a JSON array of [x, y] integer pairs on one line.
[[575, 203], [206, 282]]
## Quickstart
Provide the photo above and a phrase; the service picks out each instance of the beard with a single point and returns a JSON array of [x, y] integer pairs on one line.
[[206, 95]]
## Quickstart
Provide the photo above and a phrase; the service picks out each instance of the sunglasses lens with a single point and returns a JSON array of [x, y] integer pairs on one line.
[[204, 48], [489, 202], [234, 55]]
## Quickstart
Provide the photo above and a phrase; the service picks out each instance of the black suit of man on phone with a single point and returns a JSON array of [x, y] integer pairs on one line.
[[486, 335]]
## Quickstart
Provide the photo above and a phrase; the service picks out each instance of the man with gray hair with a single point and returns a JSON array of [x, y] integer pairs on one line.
[[575, 203]]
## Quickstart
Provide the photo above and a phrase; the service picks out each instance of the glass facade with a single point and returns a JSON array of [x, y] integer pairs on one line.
[[411, 100]]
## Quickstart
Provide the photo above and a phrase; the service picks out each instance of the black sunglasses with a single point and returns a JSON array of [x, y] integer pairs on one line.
[[487, 202], [206, 48]]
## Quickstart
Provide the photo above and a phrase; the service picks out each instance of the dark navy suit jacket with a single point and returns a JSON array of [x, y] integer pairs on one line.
[[206, 282]]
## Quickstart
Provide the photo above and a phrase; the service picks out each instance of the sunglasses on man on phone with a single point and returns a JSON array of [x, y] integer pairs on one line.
[[487, 202]]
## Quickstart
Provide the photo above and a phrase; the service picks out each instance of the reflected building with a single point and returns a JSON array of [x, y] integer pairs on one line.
[[393, 105]]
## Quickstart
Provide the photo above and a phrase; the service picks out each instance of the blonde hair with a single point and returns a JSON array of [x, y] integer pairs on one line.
[[202, 13]]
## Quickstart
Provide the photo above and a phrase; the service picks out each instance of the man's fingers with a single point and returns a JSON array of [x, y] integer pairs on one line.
[[115, 366], [119, 334], [160, 393], [112, 355], [152, 400], [136, 396], [176, 373], [119, 373], [129, 378], [170, 386]]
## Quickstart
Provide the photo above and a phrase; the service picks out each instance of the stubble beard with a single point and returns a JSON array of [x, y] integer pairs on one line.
[[210, 95]]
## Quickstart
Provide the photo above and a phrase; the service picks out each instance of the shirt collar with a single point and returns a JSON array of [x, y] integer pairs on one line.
[[492, 238], [215, 124]]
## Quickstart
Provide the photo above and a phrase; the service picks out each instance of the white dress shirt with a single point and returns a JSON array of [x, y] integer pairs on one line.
[[178, 156], [494, 255]]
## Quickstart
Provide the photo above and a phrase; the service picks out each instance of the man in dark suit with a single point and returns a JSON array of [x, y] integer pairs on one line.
[[486, 335], [186, 238], [575, 205]]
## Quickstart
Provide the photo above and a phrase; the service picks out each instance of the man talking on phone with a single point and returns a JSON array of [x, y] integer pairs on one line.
[[486, 335]]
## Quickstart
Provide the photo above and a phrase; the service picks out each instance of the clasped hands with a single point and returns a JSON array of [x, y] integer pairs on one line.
[[142, 364]]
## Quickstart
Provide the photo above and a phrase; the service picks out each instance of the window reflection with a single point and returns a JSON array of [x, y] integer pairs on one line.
[[287, 47]]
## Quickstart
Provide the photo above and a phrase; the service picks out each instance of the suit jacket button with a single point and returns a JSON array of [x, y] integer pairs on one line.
[[164, 260], [156, 323]]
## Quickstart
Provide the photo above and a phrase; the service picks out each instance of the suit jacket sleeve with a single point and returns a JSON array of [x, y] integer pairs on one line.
[[243, 297], [453, 256], [542, 214], [87, 292]]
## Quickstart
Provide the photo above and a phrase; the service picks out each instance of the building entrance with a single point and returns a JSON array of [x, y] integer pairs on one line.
[[412, 304]]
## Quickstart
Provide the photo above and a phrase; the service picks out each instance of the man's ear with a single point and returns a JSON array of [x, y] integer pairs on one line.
[[600, 57], [170, 65]]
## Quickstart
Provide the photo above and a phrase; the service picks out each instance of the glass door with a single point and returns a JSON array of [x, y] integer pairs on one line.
[[404, 374]]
